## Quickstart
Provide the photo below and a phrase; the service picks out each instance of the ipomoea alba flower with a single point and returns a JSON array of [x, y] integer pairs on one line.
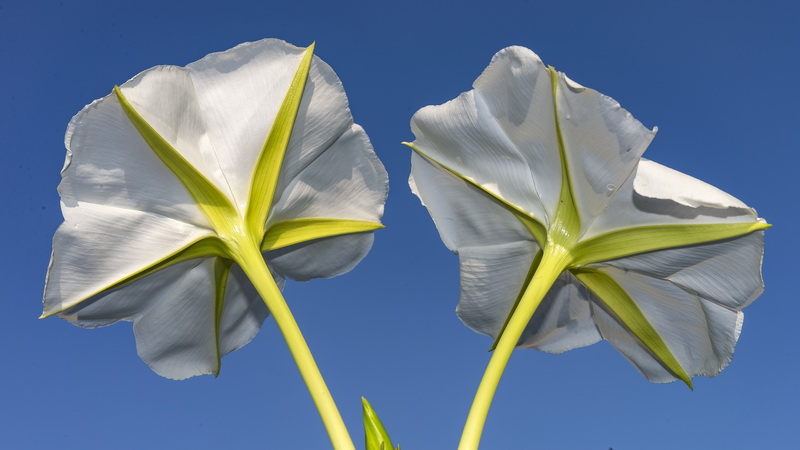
[[538, 183], [177, 182]]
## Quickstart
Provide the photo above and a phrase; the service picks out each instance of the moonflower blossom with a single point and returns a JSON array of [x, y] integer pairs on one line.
[[179, 181], [566, 236]]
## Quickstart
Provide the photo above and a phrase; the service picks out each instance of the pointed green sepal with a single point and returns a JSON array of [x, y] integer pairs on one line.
[[208, 246], [632, 241], [290, 232], [270, 161], [375, 435], [214, 203], [536, 227], [566, 225], [222, 268], [528, 278], [621, 305]]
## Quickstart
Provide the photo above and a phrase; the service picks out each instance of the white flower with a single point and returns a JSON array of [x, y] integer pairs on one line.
[[177, 182], [538, 184]]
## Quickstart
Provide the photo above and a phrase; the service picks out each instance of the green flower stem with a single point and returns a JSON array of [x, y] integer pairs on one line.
[[554, 261], [252, 262]]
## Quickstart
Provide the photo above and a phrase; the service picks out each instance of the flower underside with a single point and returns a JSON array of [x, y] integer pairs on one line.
[[562, 247], [238, 235]]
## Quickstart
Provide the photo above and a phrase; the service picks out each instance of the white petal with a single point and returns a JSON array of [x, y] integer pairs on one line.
[[243, 311], [108, 163], [563, 321], [346, 181], [494, 145], [517, 90], [125, 303], [700, 334], [629, 208], [464, 216], [176, 336], [602, 142], [165, 97], [656, 181], [323, 120], [495, 249], [242, 315], [727, 272], [97, 246], [240, 91], [320, 258], [491, 279], [631, 348]]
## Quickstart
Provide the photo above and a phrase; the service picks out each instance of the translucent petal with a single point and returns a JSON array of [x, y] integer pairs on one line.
[[700, 333], [602, 144], [633, 350], [323, 120], [97, 246], [176, 336], [165, 97], [494, 247], [563, 321], [669, 202], [727, 272], [320, 258], [493, 144], [240, 91], [108, 163], [242, 316], [126, 303], [491, 279], [346, 181], [464, 216], [243, 311], [660, 182], [517, 90]]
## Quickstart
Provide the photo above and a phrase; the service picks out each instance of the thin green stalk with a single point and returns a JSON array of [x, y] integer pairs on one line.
[[252, 262], [554, 261]]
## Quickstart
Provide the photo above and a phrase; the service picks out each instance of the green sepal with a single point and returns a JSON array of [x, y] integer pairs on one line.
[[294, 231], [534, 225], [632, 241], [222, 268], [270, 160], [566, 225], [206, 247], [528, 278], [214, 203], [621, 305], [375, 435]]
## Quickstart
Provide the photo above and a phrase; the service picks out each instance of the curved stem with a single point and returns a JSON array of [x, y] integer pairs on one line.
[[252, 262], [554, 261]]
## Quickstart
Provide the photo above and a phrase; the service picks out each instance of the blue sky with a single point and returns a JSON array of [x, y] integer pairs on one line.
[[717, 78]]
